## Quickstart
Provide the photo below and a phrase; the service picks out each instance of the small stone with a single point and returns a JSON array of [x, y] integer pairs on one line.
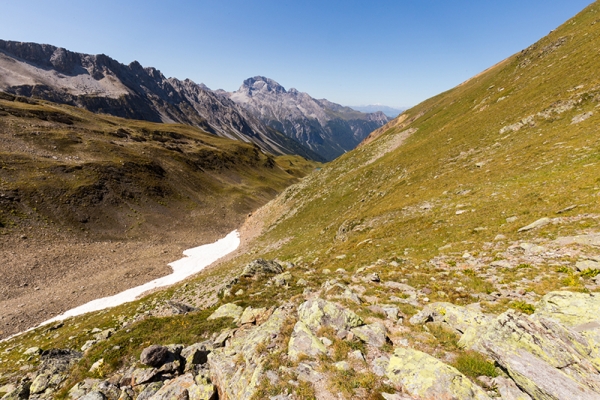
[[537, 224], [302, 282], [32, 350], [500, 237], [342, 366], [356, 355], [326, 342], [97, 365], [326, 271], [374, 277], [239, 292]]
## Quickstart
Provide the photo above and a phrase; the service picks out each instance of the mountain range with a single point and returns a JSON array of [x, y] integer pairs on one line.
[[326, 128], [101, 84]]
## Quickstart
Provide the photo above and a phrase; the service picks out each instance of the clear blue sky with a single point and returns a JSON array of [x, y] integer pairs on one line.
[[392, 52]]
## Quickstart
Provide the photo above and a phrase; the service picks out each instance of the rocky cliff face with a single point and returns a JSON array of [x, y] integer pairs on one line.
[[101, 84], [327, 128]]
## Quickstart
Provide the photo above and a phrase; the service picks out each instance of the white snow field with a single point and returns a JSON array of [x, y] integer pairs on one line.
[[196, 260]]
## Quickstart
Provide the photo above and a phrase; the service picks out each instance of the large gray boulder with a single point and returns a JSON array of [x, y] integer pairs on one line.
[[303, 341], [319, 313], [426, 377], [545, 358], [237, 369]]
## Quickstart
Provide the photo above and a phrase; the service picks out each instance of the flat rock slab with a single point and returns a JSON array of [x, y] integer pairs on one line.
[[424, 376], [319, 313]]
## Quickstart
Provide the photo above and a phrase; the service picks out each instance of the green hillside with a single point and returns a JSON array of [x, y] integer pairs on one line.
[[434, 207]]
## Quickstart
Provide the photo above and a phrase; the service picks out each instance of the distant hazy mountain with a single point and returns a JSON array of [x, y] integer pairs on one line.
[[389, 111], [100, 84], [326, 128]]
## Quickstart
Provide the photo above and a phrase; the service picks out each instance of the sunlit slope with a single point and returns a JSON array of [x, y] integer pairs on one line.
[[70, 169], [519, 140]]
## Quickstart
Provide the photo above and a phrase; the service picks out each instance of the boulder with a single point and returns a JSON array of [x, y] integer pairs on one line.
[[261, 267], [536, 224], [149, 390], [253, 316], [283, 279], [373, 334], [175, 389], [237, 370], [424, 376], [509, 390], [587, 264], [228, 310], [569, 308], [21, 392], [304, 342], [154, 356], [196, 354], [457, 317], [545, 358], [319, 313]]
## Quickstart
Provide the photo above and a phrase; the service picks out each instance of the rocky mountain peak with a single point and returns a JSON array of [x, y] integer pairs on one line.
[[261, 84]]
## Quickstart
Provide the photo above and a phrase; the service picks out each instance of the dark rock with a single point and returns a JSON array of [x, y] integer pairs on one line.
[[261, 267], [154, 356]]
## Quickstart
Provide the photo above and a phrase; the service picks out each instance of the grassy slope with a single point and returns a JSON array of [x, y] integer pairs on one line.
[[398, 201], [113, 177]]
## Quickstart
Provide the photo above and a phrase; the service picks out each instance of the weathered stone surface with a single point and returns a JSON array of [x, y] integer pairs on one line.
[[82, 388], [424, 376], [21, 392], [509, 390], [587, 264], [283, 279], [196, 354], [94, 395], [571, 309], [228, 310], [546, 359], [589, 240], [237, 370], [304, 342], [139, 376], [149, 390], [373, 334], [536, 224], [319, 313], [334, 289], [175, 389], [458, 317], [154, 356], [253, 315], [261, 267], [202, 392]]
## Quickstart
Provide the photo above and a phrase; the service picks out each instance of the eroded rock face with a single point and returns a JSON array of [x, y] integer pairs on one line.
[[457, 317], [261, 267], [238, 368], [319, 313], [545, 358], [303, 341], [228, 310], [426, 377]]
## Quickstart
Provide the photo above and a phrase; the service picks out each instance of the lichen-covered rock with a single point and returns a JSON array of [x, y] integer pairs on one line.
[[373, 334], [458, 317], [304, 342], [283, 279], [19, 393], [196, 354], [253, 315], [569, 308], [424, 376], [175, 389], [509, 390], [334, 289], [228, 310], [147, 391], [237, 369], [545, 358], [261, 267], [319, 313]]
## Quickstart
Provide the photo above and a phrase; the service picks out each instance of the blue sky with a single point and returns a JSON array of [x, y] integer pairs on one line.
[[392, 52]]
